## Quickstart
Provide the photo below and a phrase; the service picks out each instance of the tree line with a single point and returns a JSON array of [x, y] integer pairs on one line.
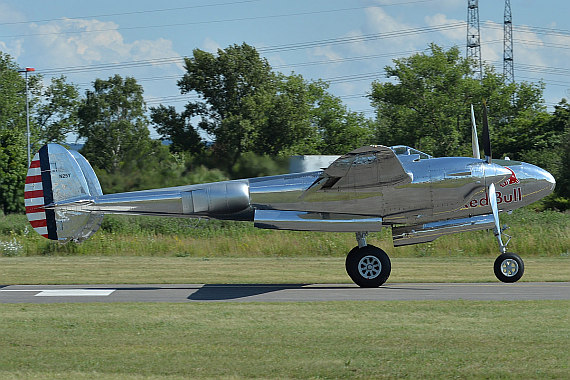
[[255, 117]]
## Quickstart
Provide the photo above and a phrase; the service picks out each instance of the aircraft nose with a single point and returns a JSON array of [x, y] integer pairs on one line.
[[539, 174]]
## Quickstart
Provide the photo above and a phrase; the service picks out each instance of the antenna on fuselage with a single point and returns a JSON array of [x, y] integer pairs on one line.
[[474, 138]]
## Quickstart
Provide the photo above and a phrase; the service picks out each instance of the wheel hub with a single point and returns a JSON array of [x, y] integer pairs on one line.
[[369, 267], [509, 267]]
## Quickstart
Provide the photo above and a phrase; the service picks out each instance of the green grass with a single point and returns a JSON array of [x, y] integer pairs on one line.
[[327, 340], [363, 340], [534, 235], [268, 270]]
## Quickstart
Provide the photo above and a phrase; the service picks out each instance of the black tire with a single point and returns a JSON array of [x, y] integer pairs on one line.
[[368, 267], [509, 267]]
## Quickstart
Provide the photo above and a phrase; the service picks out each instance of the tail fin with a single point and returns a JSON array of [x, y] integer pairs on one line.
[[57, 175]]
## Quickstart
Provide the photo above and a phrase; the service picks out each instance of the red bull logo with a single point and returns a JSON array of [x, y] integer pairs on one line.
[[512, 180], [508, 197]]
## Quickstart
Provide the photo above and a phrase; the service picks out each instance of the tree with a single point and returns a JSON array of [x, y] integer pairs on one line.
[[13, 160], [112, 119], [563, 186], [422, 107], [225, 82], [340, 130], [13, 156], [557, 143], [176, 127], [247, 107], [56, 116], [12, 95], [282, 117], [427, 105]]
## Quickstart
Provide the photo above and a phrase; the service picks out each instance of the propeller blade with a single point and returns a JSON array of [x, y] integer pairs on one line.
[[495, 208], [486, 138], [474, 138]]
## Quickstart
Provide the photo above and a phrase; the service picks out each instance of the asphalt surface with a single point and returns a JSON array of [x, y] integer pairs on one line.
[[282, 293]]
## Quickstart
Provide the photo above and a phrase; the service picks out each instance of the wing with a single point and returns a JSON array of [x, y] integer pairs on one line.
[[374, 166]]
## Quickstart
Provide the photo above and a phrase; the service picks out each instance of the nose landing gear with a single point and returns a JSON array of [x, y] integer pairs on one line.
[[509, 267]]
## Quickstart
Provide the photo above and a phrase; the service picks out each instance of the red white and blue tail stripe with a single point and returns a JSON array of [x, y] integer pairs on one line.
[[38, 193]]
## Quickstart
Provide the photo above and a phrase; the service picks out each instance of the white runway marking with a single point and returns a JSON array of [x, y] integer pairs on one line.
[[75, 292], [65, 292]]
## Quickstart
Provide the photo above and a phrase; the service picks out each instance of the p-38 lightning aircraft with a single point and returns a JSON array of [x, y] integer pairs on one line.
[[416, 195]]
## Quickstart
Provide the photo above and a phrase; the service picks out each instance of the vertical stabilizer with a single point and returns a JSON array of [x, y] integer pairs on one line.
[[57, 175]]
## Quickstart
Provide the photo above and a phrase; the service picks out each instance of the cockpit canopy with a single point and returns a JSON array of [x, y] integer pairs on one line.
[[404, 150]]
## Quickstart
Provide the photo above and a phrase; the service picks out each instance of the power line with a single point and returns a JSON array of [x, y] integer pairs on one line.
[[546, 69], [110, 66], [346, 78], [338, 79], [371, 75], [133, 12], [276, 67], [533, 43], [249, 18], [269, 49], [295, 46], [529, 28], [550, 82], [550, 70], [190, 7], [277, 48], [348, 59], [544, 44], [180, 60], [363, 38]]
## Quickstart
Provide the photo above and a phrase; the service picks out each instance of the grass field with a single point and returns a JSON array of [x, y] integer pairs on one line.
[[366, 340], [166, 250], [313, 340], [544, 234], [278, 270]]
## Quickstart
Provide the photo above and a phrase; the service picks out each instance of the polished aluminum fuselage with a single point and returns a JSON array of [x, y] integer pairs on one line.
[[365, 190], [437, 189]]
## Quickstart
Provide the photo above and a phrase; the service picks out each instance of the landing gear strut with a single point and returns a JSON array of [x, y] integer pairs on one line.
[[509, 267], [368, 266]]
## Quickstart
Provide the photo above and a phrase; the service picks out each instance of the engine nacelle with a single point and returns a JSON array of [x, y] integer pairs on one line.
[[217, 198]]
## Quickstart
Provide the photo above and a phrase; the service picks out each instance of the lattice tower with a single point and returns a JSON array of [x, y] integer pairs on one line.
[[474, 37], [508, 63]]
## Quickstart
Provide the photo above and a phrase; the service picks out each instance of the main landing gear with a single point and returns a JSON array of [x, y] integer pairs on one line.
[[368, 266]]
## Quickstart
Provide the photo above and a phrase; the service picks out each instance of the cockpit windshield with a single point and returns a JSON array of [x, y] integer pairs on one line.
[[403, 150]]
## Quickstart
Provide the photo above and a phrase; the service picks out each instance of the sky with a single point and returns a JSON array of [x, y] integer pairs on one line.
[[345, 42]]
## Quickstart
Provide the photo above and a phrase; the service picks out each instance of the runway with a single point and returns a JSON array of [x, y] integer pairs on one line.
[[282, 293]]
